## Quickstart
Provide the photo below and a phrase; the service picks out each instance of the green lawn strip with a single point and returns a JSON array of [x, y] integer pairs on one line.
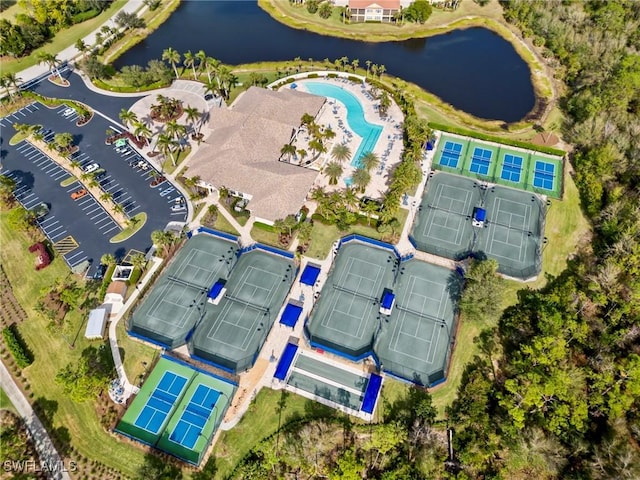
[[68, 181], [5, 403], [264, 236], [259, 422], [139, 220], [52, 352], [133, 353], [168, 166], [241, 217], [223, 225], [17, 138], [197, 208], [63, 39]]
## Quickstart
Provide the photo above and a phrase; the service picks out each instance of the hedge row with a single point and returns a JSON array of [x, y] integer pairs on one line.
[[20, 353], [490, 138]]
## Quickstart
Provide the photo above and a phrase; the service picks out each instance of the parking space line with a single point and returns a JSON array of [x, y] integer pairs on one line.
[[85, 200], [44, 223], [59, 175], [97, 207], [49, 170], [31, 203], [133, 209], [77, 254], [52, 231], [115, 227], [58, 236], [88, 206], [79, 261]]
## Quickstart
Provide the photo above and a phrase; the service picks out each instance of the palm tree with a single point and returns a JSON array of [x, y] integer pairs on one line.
[[304, 232], [106, 197], [350, 199], [128, 117], [369, 161], [192, 114], [51, 60], [333, 171], [190, 62], [211, 66], [138, 260], [355, 63], [329, 134], [10, 80], [211, 86], [361, 179], [173, 57], [142, 131], [318, 194], [7, 186], [108, 259], [288, 150], [81, 47], [340, 152], [381, 70], [201, 56], [290, 223], [117, 208], [370, 209], [63, 140], [302, 153], [167, 145], [317, 146]]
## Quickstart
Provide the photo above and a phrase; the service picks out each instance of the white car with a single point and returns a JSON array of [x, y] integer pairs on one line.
[[178, 208], [91, 168], [68, 112]]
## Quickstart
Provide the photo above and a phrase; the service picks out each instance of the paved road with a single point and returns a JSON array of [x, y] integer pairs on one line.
[[47, 452]]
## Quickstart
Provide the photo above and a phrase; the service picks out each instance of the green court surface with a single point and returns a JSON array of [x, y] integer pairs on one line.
[[415, 340], [328, 381], [442, 225], [177, 410], [344, 318], [232, 332], [512, 234], [509, 166], [173, 306]]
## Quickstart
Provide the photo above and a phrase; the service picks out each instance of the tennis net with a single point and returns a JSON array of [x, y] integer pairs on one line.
[[420, 314], [433, 207], [353, 292], [185, 283], [248, 304]]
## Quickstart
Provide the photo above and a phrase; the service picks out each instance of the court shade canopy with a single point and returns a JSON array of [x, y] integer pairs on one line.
[[177, 302], [232, 332]]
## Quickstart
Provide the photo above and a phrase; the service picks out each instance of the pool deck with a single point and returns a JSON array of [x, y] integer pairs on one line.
[[388, 148]]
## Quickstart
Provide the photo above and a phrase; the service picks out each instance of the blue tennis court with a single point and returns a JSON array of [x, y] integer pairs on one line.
[[480, 161], [511, 168], [451, 154], [195, 416], [160, 403], [543, 175]]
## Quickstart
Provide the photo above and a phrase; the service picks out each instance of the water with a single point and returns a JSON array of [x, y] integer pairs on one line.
[[474, 70], [355, 117]]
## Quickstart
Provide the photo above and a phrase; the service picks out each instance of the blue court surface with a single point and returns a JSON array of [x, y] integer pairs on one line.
[[543, 175], [159, 404], [310, 274], [480, 161], [291, 315], [285, 361], [195, 416], [451, 154], [511, 168]]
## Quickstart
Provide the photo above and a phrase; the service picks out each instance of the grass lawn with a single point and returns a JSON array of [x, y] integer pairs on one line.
[[138, 222], [259, 422], [263, 236], [52, 352], [5, 403], [62, 40], [223, 225], [169, 167], [133, 353]]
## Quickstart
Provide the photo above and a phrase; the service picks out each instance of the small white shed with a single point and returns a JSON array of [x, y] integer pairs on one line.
[[97, 322]]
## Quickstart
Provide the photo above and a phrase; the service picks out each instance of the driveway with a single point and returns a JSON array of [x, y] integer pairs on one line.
[[81, 228]]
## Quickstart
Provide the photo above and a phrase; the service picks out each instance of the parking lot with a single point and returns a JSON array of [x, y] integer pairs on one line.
[[80, 229]]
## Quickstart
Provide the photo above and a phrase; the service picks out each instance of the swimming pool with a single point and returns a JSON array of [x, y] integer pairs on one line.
[[355, 116]]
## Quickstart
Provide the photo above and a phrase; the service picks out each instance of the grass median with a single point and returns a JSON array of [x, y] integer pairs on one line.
[[135, 224]]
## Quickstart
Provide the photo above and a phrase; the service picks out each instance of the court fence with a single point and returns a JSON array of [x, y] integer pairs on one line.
[[216, 233]]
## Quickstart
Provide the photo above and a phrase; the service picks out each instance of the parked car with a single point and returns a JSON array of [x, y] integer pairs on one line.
[[92, 167], [79, 194], [68, 112], [40, 210], [100, 175], [178, 208]]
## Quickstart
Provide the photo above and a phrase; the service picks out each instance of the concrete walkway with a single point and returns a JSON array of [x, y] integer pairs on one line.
[[49, 457], [129, 388]]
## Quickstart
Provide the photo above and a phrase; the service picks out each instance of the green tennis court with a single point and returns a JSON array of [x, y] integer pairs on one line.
[[416, 339], [232, 332], [442, 225], [495, 163], [173, 306], [512, 233], [177, 410], [345, 317]]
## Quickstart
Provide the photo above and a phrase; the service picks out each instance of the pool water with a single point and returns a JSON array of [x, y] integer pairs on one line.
[[355, 117]]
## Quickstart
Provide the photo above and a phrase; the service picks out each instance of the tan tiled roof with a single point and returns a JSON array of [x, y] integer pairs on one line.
[[243, 149], [118, 287]]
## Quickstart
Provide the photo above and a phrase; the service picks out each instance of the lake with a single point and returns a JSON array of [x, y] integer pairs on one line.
[[474, 70]]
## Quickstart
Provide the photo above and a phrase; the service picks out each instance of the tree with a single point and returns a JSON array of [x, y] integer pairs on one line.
[[138, 260], [312, 6], [361, 179], [9, 79], [63, 140], [189, 61], [93, 67], [19, 218], [129, 21], [419, 11], [163, 240], [128, 117], [86, 378], [108, 259], [173, 57], [483, 291], [369, 161], [325, 10], [50, 60], [288, 150], [369, 209], [333, 171], [305, 229], [192, 114], [7, 187], [141, 131]]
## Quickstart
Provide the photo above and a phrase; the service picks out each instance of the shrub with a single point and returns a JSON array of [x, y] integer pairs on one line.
[[84, 16], [16, 346]]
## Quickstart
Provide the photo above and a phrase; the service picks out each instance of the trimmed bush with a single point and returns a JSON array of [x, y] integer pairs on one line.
[[490, 138], [16, 346], [84, 16]]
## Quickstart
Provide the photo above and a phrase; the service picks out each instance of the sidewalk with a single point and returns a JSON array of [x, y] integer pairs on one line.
[[44, 446]]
